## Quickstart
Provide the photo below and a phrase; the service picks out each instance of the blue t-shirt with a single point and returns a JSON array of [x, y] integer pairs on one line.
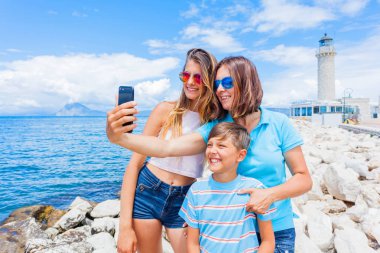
[[220, 215], [265, 161]]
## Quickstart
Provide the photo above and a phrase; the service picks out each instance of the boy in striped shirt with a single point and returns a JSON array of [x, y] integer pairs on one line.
[[213, 209]]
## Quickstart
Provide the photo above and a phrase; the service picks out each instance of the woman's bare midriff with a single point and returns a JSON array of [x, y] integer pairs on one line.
[[170, 177]]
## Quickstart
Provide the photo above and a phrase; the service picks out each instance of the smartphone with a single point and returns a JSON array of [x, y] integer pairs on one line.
[[126, 94]]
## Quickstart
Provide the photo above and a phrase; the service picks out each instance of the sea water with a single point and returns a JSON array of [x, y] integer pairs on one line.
[[51, 160]]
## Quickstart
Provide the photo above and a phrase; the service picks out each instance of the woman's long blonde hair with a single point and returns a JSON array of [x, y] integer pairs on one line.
[[207, 104]]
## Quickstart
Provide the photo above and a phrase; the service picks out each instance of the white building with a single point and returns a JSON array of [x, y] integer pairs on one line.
[[328, 110]]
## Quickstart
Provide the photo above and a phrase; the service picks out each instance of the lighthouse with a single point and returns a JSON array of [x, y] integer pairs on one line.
[[326, 69]]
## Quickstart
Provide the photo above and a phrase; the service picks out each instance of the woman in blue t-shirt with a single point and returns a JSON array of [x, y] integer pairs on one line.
[[274, 143]]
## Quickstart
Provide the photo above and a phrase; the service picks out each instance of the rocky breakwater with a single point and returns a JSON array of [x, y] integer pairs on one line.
[[84, 227], [342, 211]]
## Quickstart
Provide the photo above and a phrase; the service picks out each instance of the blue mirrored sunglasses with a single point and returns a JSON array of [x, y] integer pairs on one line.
[[227, 83]]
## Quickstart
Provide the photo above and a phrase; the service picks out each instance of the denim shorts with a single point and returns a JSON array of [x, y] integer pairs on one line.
[[155, 199], [285, 240]]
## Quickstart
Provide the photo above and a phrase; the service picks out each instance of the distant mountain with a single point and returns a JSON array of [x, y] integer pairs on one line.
[[77, 109]]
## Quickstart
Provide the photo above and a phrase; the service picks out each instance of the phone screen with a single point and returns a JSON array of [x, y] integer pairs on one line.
[[126, 94]]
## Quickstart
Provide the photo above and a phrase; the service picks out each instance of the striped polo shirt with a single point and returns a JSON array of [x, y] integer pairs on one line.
[[265, 159], [219, 213]]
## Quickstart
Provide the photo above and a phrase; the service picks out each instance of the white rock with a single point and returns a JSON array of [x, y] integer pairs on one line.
[[319, 228], [342, 221], [374, 175], [376, 232], [81, 204], [334, 206], [52, 232], [110, 208], [359, 210], [351, 240], [36, 245], [106, 250], [366, 144], [48, 246], [316, 192], [105, 224], [370, 195], [370, 223], [87, 222], [300, 225], [116, 221], [355, 156], [101, 241], [78, 234], [304, 244], [342, 183], [315, 152], [313, 205], [374, 162], [359, 167], [312, 162], [329, 156], [300, 220], [71, 219], [377, 188], [167, 248], [300, 200], [75, 247]]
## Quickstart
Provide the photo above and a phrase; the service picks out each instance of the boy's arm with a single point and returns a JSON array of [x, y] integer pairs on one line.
[[267, 236], [193, 240]]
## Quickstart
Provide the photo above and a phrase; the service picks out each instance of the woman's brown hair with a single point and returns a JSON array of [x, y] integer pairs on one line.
[[248, 92], [208, 106]]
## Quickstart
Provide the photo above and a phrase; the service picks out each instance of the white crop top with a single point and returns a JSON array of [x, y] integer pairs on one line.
[[190, 166]]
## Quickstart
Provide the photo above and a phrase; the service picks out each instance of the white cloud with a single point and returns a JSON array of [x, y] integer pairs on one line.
[[278, 16], [288, 56], [52, 12], [287, 86], [358, 67], [215, 38], [191, 12], [346, 7], [149, 93], [353, 7], [165, 47], [26, 103], [237, 9], [79, 14], [13, 50], [49, 82]]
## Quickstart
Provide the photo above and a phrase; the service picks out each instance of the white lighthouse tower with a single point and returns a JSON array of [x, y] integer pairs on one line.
[[328, 109], [326, 69]]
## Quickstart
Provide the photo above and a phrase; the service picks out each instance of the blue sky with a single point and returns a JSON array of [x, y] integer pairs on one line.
[[56, 52]]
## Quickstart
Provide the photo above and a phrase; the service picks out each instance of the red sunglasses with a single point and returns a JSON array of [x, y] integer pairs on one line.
[[185, 77]]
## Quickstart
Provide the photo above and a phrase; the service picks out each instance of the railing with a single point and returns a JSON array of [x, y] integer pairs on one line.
[[361, 129]]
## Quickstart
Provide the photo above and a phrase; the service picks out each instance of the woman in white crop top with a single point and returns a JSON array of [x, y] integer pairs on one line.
[[152, 194]]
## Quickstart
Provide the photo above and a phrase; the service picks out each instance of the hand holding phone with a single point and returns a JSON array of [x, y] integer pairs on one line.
[[126, 94]]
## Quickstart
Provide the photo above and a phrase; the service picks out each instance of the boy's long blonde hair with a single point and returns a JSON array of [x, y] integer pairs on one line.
[[207, 104]]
